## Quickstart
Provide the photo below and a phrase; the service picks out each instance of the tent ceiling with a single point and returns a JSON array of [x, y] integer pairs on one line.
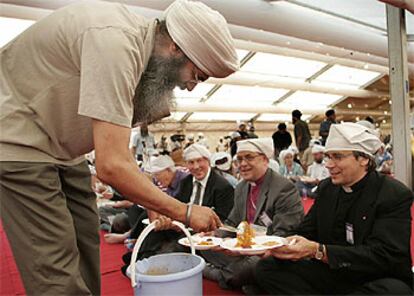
[[285, 65]]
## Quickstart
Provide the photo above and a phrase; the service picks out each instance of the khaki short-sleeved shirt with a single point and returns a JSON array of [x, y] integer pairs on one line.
[[80, 63]]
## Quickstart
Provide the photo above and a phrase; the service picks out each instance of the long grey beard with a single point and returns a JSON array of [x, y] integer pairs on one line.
[[154, 94]]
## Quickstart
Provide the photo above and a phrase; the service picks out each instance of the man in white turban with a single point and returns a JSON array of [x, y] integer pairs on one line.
[[315, 173], [357, 232], [213, 52], [222, 162], [78, 80], [262, 197]]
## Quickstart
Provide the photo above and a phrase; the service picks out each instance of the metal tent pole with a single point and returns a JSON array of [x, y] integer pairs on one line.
[[397, 52]]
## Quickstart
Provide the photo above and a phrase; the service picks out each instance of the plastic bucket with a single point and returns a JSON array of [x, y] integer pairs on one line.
[[166, 274]]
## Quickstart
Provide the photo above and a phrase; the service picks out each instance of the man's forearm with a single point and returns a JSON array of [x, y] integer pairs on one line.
[[134, 185]]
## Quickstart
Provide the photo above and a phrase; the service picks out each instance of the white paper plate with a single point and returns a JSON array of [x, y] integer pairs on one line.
[[213, 242], [258, 248], [146, 221]]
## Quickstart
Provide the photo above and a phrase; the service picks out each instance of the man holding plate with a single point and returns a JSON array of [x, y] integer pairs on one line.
[[356, 237], [263, 198]]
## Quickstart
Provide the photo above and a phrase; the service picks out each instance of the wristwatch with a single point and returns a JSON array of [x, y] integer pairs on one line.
[[320, 252]]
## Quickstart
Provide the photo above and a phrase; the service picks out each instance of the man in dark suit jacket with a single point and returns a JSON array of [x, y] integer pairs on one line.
[[357, 234], [202, 187], [264, 198], [217, 193]]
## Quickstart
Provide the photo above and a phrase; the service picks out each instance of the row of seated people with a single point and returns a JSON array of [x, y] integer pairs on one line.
[[355, 239]]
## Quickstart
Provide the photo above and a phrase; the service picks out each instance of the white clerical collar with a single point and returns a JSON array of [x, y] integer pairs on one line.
[[347, 189]]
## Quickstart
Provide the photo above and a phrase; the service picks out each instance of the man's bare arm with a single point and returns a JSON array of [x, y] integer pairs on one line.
[[116, 166]]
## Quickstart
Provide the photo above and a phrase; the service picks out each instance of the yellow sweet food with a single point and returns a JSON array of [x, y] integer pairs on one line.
[[245, 235]]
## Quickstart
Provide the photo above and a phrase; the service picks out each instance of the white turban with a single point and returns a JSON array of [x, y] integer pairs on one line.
[[350, 136], [286, 152], [318, 148], [293, 149], [221, 160], [234, 135], [160, 163], [196, 151], [261, 145], [314, 142], [202, 34]]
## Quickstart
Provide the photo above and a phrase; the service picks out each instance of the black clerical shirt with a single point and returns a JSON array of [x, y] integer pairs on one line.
[[343, 211]]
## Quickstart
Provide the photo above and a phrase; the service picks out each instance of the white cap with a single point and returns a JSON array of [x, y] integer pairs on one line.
[[318, 148], [196, 151], [366, 123], [350, 136], [286, 152], [234, 135], [314, 142], [160, 163], [223, 159], [294, 149], [260, 145]]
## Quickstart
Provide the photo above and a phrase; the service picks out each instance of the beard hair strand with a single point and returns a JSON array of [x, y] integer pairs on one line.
[[154, 95]]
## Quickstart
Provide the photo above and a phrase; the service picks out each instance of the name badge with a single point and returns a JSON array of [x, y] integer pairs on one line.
[[349, 228], [264, 218]]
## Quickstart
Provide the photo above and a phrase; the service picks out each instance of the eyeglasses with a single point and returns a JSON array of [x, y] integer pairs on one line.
[[196, 80], [248, 158], [337, 157]]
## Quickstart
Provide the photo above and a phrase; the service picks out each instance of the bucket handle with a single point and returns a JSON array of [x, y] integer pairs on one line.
[[140, 240]]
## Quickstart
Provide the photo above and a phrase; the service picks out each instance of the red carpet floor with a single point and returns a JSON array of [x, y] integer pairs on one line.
[[113, 282]]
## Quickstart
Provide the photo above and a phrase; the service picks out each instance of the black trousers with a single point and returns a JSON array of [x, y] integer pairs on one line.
[[311, 277]]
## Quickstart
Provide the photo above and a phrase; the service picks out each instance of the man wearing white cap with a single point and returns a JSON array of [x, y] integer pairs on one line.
[[307, 158], [163, 169], [356, 237], [78, 80], [202, 187], [316, 172], [205, 186], [222, 162], [264, 198]]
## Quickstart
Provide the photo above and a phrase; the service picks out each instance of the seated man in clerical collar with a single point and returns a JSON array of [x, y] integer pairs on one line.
[[356, 237]]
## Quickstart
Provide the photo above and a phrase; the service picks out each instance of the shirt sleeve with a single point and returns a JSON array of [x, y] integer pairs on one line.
[[111, 66]]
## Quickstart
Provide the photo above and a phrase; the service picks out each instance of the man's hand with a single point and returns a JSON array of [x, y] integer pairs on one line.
[[203, 219], [122, 204], [298, 248], [162, 222]]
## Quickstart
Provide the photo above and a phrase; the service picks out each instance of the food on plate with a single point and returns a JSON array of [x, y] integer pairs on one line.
[[205, 243], [270, 243], [200, 242], [245, 235]]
